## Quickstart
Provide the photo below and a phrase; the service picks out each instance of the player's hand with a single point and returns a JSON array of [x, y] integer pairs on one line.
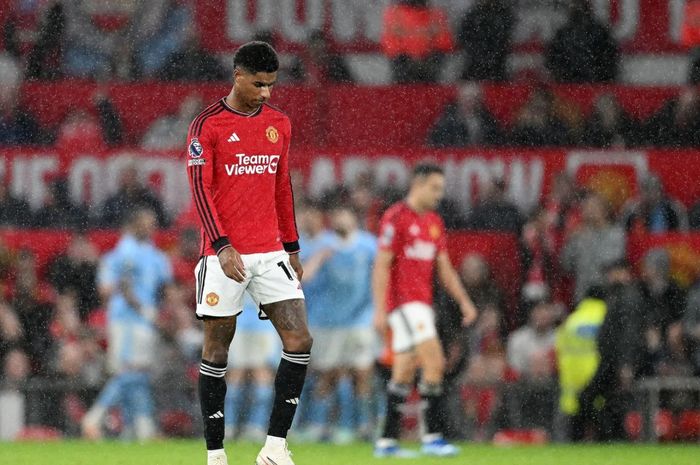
[[469, 313], [381, 322], [232, 264], [296, 265]]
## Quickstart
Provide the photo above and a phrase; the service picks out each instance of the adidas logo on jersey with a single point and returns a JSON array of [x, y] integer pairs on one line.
[[217, 415], [234, 138]]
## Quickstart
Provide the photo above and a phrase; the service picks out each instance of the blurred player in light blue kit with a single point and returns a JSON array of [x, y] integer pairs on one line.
[[251, 360], [130, 280], [343, 329]]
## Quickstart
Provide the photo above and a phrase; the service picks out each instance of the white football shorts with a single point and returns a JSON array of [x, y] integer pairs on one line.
[[411, 324], [269, 278], [354, 348]]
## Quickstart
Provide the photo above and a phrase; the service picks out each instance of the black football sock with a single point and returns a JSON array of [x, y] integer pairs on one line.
[[395, 398], [289, 382], [434, 412], [212, 391]]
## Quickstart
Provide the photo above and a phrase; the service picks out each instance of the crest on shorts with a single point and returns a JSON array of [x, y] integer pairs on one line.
[[434, 232], [196, 150], [272, 134], [212, 299]]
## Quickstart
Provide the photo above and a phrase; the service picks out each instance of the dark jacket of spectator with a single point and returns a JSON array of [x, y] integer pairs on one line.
[[465, 122], [130, 196], [317, 65], [59, 211], [192, 63], [583, 50], [609, 125], [76, 271], [537, 125], [485, 33], [496, 212], [110, 121], [45, 59], [13, 211], [677, 124], [654, 211]]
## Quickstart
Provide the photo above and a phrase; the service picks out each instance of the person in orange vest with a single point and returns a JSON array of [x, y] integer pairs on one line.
[[690, 38], [415, 37]]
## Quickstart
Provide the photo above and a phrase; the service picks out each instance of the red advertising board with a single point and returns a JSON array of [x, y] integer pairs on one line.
[[93, 176]]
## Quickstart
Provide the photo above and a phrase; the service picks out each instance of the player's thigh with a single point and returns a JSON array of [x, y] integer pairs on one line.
[[274, 280], [431, 359], [327, 351], [411, 324], [251, 350], [217, 294], [403, 370]]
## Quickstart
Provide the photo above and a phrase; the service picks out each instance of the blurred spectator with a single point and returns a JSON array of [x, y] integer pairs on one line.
[[75, 271], [654, 211], [476, 277], [539, 261], [485, 34], [191, 62], [596, 244], [583, 50], [677, 123], [608, 125], [110, 121], [59, 211], [537, 124], [11, 331], [562, 206], [46, 57], [17, 125], [13, 211], [130, 195], [663, 301], [691, 325], [80, 129], [531, 346], [690, 38], [122, 39], [466, 122], [168, 131], [33, 307], [319, 66], [530, 400], [15, 371], [693, 216], [495, 212], [415, 37]]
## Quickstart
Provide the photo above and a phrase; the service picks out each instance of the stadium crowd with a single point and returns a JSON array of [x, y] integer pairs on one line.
[[512, 370]]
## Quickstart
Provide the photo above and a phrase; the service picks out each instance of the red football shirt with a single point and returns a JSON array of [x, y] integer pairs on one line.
[[415, 239], [239, 177]]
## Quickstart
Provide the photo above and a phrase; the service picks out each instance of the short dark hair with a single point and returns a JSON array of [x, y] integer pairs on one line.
[[422, 170], [256, 57]]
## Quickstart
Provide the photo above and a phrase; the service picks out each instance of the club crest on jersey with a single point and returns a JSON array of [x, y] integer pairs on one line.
[[212, 299], [272, 134], [434, 231], [196, 150]]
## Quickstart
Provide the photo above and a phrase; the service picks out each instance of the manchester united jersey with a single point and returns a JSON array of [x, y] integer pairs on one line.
[[415, 239], [239, 178]]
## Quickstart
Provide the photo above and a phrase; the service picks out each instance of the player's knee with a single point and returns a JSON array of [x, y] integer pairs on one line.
[[215, 353], [298, 342]]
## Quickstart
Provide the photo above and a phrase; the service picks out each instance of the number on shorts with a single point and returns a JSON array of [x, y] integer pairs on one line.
[[286, 270]]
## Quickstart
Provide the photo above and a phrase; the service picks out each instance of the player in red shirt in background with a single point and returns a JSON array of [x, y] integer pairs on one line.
[[412, 246], [239, 177]]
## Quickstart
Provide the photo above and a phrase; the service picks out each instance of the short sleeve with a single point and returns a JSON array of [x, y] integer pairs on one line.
[[107, 273], [388, 235]]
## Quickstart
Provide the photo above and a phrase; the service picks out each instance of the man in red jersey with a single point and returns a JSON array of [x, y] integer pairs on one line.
[[239, 177], [412, 246]]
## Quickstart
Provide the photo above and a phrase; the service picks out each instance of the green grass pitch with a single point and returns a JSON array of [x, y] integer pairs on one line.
[[170, 452]]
